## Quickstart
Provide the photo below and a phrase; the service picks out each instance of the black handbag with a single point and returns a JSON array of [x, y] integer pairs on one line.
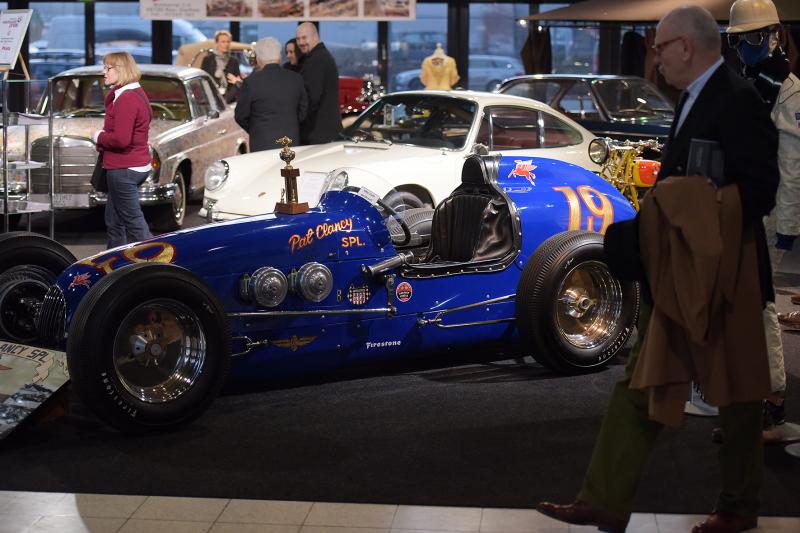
[[99, 181]]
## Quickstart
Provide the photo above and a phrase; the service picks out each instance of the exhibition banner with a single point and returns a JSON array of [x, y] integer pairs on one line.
[[262, 10]]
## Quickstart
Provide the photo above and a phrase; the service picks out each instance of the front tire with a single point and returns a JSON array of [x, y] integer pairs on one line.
[[149, 347], [572, 312]]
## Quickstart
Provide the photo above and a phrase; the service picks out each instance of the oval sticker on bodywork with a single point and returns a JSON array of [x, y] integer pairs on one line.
[[404, 292]]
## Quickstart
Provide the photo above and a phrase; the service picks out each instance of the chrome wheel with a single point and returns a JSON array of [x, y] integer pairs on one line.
[[159, 350], [589, 305]]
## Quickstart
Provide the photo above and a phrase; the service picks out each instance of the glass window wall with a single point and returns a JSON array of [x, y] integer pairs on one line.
[[575, 50], [56, 40], [495, 40], [354, 46], [411, 42]]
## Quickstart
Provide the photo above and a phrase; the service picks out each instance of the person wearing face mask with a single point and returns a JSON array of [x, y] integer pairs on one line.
[[754, 34], [123, 145]]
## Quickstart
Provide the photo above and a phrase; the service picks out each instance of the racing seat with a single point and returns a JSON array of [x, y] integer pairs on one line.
[[474, 222]]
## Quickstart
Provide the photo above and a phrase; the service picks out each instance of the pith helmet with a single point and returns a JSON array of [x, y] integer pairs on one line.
[[750, 15]]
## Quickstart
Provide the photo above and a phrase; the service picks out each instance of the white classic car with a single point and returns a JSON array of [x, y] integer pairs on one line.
[[417, 141]]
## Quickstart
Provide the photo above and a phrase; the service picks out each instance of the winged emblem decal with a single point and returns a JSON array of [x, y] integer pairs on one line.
[[294, 342]]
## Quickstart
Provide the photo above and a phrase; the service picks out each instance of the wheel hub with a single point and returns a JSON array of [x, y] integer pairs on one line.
[[577, 302]]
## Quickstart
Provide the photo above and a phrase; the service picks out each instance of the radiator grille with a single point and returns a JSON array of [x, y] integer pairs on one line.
[[74, 159], [52, 319]]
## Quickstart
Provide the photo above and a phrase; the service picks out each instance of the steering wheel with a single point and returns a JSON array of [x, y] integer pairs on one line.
[[388, 209], [400, 220], [165, 111]]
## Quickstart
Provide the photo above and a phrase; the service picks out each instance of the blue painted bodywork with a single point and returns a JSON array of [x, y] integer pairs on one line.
[[345, 232]]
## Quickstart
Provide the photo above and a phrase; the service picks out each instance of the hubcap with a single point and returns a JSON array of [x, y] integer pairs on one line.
[[178, 202], [589, 305], [159, 350]]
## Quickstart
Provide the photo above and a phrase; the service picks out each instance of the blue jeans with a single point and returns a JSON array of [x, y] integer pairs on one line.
[[124, 215]]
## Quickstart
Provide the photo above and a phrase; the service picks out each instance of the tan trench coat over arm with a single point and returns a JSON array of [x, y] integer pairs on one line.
[[706, 322]]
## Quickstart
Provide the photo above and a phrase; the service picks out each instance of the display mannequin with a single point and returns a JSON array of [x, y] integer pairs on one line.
[[439, 70]]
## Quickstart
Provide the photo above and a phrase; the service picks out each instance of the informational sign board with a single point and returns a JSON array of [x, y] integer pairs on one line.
[[28, 377], [13, 25], [262, 10]]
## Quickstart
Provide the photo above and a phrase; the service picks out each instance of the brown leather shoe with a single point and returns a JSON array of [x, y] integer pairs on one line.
[[726, 523], [583, 514]]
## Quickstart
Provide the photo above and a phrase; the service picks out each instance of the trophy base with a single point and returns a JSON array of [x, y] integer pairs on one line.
[[291, 209]]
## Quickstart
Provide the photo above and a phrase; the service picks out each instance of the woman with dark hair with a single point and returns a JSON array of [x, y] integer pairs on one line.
[[123, 144], [293, 55]]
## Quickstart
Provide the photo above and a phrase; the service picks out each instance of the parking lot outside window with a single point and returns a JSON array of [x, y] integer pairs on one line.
[[575, 50], [411, 42], [56, 38], [354, 46], [495, 40]]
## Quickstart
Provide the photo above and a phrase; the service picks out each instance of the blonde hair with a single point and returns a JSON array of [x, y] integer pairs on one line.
[[218, 33], [125, 65]]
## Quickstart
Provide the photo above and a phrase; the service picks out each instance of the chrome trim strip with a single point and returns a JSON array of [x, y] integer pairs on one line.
[[316, 312], [437, 319]]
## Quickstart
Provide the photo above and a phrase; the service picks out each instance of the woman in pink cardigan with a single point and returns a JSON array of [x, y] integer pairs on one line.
[[123, 144]]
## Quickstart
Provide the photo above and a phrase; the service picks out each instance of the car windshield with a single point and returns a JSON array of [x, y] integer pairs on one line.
[[418, 119], [84, 96], [632, 98]]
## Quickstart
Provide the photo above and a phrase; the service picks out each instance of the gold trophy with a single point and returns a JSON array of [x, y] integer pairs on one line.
[[289, 173]]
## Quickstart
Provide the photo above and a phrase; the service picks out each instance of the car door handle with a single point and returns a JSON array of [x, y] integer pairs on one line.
[[222, 132]]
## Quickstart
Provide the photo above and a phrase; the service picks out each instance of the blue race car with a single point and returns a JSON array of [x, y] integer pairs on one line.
[[512, 260]]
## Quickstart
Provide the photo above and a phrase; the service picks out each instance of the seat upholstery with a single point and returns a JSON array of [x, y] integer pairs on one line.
[[474, 222]]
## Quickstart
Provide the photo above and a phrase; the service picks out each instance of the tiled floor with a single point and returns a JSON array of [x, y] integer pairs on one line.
[[40, 512]]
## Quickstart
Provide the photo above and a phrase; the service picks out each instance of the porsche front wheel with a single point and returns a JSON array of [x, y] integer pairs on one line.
[[572, 313], [148, 347]]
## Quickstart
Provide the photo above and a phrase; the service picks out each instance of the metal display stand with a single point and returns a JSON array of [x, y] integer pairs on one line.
[[17, 125]]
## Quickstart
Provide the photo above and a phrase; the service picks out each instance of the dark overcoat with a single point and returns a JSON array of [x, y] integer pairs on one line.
[[321, 76], [271, 105]]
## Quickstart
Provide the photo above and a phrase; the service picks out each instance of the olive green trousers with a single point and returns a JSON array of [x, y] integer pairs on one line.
[[627, 436]]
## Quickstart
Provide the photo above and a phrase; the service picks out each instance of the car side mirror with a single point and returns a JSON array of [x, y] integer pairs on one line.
[[212, 114]]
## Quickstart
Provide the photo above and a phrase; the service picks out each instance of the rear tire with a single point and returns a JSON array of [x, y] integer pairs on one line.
[[571, 311], [402, 200]]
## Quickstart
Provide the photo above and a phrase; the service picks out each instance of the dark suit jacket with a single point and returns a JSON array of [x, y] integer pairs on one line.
[[730, 111], [272, 104], [209, 64], [324, 121]]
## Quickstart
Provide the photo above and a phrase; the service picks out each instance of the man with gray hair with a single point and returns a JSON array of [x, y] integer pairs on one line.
[[273, 100], [687, 53]]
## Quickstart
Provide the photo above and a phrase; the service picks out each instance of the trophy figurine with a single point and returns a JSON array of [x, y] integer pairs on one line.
[[291, 206]]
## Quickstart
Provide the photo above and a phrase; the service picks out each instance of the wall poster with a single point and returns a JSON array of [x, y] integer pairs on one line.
[[263, 10]]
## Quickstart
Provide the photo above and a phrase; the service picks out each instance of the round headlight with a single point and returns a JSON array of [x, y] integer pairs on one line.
[[598, 151], [269, 286], [314, 282], [216, 174]]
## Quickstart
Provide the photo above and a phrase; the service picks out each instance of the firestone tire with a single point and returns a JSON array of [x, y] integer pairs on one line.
[[571, 312], [22, 290], [149, 348], [402, 200]]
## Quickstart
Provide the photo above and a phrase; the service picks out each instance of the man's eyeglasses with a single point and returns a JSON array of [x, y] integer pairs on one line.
[[106, 68], [755, 38], [658, 48]]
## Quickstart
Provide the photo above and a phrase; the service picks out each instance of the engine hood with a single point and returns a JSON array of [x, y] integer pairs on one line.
[[255, 179]]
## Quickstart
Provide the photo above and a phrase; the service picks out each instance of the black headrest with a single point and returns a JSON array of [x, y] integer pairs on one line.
[[479, 170]]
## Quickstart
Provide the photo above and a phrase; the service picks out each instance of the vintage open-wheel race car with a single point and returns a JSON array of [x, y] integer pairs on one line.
[[511, 260]]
